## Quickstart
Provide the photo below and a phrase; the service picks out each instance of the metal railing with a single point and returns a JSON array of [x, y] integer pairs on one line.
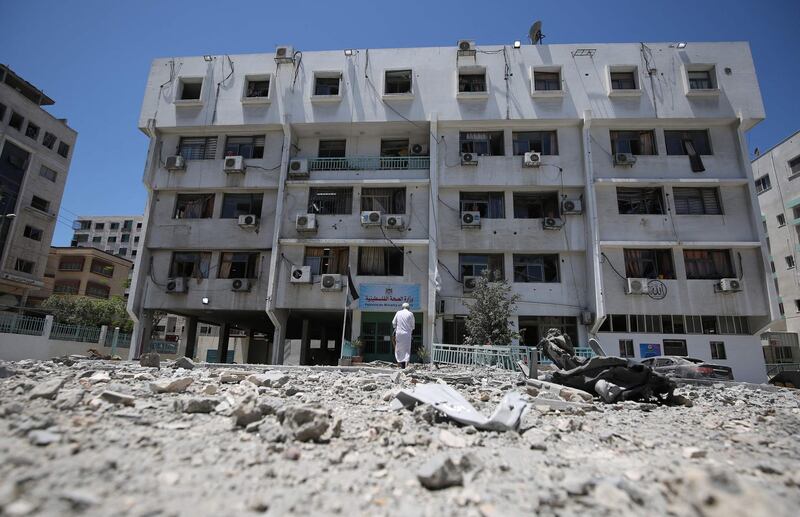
[[123, 340], [505, 357], [164, 347], [370, 163], [21, 324], [776, 368], [80, 333]]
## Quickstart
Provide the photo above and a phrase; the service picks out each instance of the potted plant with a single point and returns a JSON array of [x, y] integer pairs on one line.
[[358, 346]]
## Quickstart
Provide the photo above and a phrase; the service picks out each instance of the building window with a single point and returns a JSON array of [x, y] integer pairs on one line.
[[651, 263], [634, 142], [332, 148], [133, 253], [97, 290], [112, 239], [2, 112], [126, 237], [114, 226], [487, 143], [687, 142], [16, 121], [491, 205], [475, 265], [16, 157], [101, 267], [194, 206], [198, 148], [675, 347], [763, 184], [80, 238], [626, 348], [708, 264], [190, 89], [138, 226], [327, 260], [718, 350], [640, 200], [394, 147], [546, 80], [623, 80], [99, 226], [245, 146], [190, 264], [63, 149], [794, 165], [783, 354], [66, 287], [40, 204], [97, 239], [257, 88], [84, 225], [327, 84], [544, 142], [701, 79], [383, 261], [330, 201], [48, 173], [49, 140], [127, 225], [397, 82], [33, 233], [696, 201], [70, 263], [535, 205], [234, 205], [536, 268], [24, 266], [384, 200], [789, 262], [136, 240], [238, 265], [781, 220], [32, 131], [471, 80]]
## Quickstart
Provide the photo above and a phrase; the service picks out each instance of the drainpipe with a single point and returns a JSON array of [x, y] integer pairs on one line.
[[433, 237], [274, 263], [592, 230]]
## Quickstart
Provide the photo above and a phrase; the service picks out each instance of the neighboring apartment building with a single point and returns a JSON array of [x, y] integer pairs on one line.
[[83, 272], [35, 153], [117, 234], [777, 179], [608, 183]]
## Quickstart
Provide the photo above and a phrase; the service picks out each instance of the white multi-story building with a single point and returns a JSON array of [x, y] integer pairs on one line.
[[35, 153], [116, 234], [608, 183], [776, 173]]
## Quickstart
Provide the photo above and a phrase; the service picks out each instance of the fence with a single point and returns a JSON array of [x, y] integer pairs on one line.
[[370, 163], [164, 347], [123, 339], [776, 368], [505, 357], [21, 324], [79, 333]]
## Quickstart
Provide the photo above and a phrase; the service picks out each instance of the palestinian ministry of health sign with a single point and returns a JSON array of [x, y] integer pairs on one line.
[[388, 297]]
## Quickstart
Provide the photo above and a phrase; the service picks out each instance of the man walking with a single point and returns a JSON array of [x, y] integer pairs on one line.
[[403, 324]]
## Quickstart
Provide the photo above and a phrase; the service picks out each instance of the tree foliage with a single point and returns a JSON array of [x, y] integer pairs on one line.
[[488, 322], [80, 310]]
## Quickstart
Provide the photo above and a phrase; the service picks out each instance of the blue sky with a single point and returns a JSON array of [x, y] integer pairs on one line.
[[93, 56]]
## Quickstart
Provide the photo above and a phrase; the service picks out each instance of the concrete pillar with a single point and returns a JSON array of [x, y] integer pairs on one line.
[[279, 336], [304, 343], [188, 338], [103, 334], [48, 326], [222, 344], [142, 331]]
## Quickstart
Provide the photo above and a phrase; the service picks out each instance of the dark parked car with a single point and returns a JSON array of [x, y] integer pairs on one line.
[[688, 368]]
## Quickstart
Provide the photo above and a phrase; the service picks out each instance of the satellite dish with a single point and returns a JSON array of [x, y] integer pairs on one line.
[[535, 33]]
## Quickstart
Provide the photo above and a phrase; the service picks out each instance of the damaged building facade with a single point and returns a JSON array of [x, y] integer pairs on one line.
[[609, 184]]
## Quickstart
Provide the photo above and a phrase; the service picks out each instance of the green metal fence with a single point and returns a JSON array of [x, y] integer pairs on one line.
[[370, 163], [505, 357], [80, 333], [123, 340], [21, 324], [164, 347]]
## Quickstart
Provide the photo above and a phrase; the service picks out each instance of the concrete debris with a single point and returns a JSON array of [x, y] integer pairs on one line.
[[269, 379], [176, 385], [305, 423], [42, 437], [47, 389], [196, 405], [116, 397], [150, 360], [6, 372], [183, 362], [440, 472]]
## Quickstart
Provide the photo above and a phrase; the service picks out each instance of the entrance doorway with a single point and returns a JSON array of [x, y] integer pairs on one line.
[[376, 333]]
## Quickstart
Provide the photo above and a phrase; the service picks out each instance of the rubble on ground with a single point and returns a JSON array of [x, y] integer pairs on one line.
[[96, 437]]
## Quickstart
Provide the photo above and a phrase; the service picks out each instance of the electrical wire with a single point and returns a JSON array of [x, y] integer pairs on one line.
[[608, 260]]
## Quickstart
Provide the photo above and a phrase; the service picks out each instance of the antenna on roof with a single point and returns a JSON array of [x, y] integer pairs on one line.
[[535, 33]]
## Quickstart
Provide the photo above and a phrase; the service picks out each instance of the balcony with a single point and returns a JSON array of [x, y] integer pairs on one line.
[[370, 163]]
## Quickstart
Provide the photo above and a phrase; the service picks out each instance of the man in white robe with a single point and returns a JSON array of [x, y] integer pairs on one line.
[[403, 324]]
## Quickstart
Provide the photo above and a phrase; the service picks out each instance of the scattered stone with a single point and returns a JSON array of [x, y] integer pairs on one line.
[[272, 379], [184, 362], [449, 439], [116, 397], [150, 360], [19, 508], [440, 472], [536, 439], [271, 431], [100, 376], [246, 411], [42, 438], [233, 377], [292, 453], [692, 453], [47, 390], [306, 423], [210, 389], [197, 405], [69, 399], [6, 372], [177, 385], [80, 499]]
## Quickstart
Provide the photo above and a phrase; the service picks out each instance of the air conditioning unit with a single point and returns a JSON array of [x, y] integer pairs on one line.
[[469, 159], [470, 219], [572, 206], [418, 150], [394, 222], [730, 285], [532, 159], [248, 221], [624, 159], [284, 54], [298, 168], [301, 275], [306, 223], [233, 164], [331, 282], [175, 163], [176, 285], [371, 218], [240, 284], [552, 223], [637, 286], [466, 47], [470, 283]]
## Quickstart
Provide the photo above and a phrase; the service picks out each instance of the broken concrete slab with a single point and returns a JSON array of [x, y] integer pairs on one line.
[[47, 389], [440, 472], [150, 360], [175, 385]]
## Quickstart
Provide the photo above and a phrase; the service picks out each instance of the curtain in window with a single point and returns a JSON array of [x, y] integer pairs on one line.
[[722, 263], [225, 265], [646, 142], [372, 261], [496, 206], [633, 263]]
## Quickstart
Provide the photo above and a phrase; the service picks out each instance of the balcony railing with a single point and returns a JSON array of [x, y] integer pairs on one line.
[[370, 163], [776, 368]]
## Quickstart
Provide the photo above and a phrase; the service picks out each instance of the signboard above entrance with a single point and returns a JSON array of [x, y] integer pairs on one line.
[[388, 297]]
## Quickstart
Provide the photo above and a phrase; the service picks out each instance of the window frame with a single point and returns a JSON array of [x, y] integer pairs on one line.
[[16, 121], [44, 172], [47, 204], [207, 150], [63, 149], [101, 267], [531, 201], [498, 258], [482, 202], [544, 258], [327, 74], [713, 79], [30, 127], [30, 232], [201, 264], [626, 349], [547, 92], [393, 261], [398, 95], [21, 266], [650, 205], [49, 140], [687, 133], [651, 263], [681, 343], [252, 78], [716, 348], [332, 205], [472, 70], [332, 152], [100, 291], [467, 141], [255, 199], [254, 147], [251, 264], [615, 134], [613, 70], [179, 92], [321, 264], [794, 166], [706, 203], [392, 196], [517, 141], [763, 184], [695, 266]]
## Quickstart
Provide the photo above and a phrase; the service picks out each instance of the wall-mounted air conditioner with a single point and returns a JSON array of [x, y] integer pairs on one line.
[[470, 283], [470, 219], [371, 218], [298, 168], [306, 223], [240, 284], [233, 164], [176, 286], [624, 159], [175, 163], [248, 221], [300, 275], [393, 222], [532, 159], [284, 54], [730, 285], [330, 282], [466, 47], [552, 223], [572, 206], [418, 150], [469, 159], [637, 286]]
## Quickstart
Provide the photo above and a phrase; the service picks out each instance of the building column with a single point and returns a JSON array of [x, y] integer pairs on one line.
[[222, 344], [188, 338], [142, 331], [304, 343], [279, 336], [429, 306]]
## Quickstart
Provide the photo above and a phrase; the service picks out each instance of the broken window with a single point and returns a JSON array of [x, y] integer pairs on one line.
[[763, 184], [332, 148], [536, 268], [482, 143], [794, 165], [33, 233], [696, 201], [48, 140], [708, 264], [384, 200], [476, 264], [257, 87], [245, 146], [194, 206], [470, 81], [198, 148], [32, 131], [544, 142], [675, 347], [380, 261], [83, 225], [546, 80], [652, 263], [535, 205], [326, 85], [63, 149], [238, 265], [491, 205], [24, 266], [634, 142], [623, 80], [40, 204], [781, 220], [700, 80], [80, 238], [234, 205], [16, 121], [646, 200], [126, 237], [681, 142], [397, 81], [327, 260], [330, 201], [190, 264], [626, 348], [191, 89], [394, 147]]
